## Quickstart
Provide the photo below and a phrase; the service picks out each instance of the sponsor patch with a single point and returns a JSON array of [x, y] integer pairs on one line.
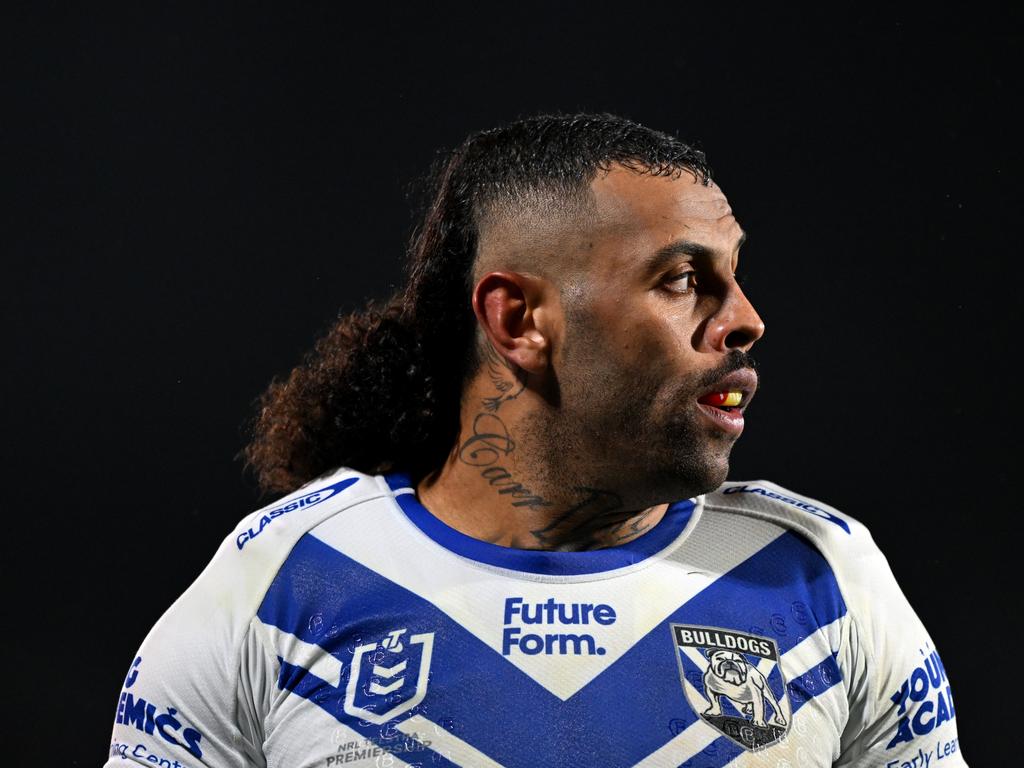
[[525, 624]]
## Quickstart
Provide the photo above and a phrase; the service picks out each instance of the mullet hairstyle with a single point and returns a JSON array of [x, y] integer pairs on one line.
[[381, 391]]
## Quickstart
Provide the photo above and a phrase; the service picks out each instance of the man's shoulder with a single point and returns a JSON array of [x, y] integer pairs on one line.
[[768, 500], [277, 525], [836, 534], [845, 543], [252, 554], [210, 655]]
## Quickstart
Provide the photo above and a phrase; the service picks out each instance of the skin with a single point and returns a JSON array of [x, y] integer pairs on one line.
[[582, 425]]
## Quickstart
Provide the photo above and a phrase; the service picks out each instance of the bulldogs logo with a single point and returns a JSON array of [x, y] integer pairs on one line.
[[734, 683]]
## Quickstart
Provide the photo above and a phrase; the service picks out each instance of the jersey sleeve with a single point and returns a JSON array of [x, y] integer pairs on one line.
[[900, 706], [194, 692], [901, 709], [899, 701], [202, 684]]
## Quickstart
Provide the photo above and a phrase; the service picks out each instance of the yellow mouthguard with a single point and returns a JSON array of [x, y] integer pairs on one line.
[[733, 398]]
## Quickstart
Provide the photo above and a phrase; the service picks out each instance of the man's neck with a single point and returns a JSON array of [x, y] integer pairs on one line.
[[485, 508], [499, 485]]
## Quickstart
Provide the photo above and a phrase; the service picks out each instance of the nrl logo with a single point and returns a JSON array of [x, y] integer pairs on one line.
[[388, 678], [733, 681]]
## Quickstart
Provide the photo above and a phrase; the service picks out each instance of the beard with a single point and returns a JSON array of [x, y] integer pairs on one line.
[[634, 430]]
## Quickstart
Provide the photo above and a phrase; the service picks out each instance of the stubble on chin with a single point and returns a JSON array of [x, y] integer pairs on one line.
[[695, 456], [613, 432]]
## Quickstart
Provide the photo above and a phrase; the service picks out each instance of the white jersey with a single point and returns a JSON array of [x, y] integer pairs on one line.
[[345, 625]]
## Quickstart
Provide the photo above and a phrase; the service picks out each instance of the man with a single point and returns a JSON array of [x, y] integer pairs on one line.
[[508, 538]]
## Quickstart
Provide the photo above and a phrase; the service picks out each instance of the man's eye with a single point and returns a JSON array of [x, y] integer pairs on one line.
[[683, 282]]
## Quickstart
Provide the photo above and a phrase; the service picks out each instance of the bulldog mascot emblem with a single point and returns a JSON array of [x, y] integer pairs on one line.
[[734, 683]]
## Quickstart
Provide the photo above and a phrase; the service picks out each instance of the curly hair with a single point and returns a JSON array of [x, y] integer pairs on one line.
[[382, 389]]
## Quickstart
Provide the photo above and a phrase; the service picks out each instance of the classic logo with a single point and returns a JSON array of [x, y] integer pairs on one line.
[[734, 683], [388, 678], [300, 502]]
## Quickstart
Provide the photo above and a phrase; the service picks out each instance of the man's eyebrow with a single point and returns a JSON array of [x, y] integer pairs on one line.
[[664, 255]]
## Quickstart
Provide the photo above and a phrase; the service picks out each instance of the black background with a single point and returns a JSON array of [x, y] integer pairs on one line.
[[195, 194]]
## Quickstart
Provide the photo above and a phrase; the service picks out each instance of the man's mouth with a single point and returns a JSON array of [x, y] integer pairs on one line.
[[731, 392], [727, 400]]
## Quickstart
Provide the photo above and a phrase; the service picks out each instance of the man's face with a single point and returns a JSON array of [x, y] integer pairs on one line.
[[656, 335]]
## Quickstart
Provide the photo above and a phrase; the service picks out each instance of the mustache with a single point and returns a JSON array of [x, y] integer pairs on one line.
[[736, 361]]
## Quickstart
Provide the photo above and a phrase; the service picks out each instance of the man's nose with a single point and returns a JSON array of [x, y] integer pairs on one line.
[[736, 324]]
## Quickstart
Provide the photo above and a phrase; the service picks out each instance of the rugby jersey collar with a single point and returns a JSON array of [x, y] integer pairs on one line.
[[668, 530]]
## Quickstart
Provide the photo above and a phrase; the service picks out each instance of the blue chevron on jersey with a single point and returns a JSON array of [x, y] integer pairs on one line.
[[303, 601]]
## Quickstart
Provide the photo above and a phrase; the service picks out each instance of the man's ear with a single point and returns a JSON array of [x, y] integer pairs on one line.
[[513, 309]]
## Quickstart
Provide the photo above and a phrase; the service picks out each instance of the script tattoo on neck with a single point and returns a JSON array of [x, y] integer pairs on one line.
[[597, 520], [490, 441]]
